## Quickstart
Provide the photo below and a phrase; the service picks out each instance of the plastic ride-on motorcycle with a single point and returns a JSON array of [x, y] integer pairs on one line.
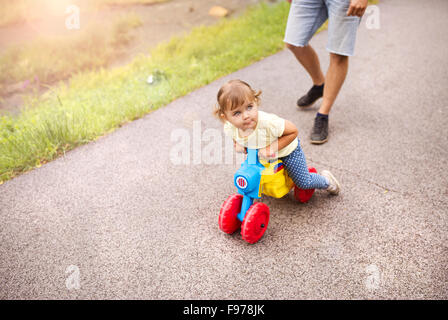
[[251, 180]]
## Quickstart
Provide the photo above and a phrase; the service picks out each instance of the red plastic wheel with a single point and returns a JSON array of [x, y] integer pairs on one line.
[[228, 221], [255, 222], [303, 195]]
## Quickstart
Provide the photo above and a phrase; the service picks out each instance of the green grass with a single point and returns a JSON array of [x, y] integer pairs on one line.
[[96, 103], [58, 58]]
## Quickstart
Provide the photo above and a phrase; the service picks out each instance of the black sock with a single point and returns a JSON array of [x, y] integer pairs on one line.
[[322, 115], [321, 87]]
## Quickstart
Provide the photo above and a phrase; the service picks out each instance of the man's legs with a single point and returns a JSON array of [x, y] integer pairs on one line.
[[336, 73], [305, 17], [334, 79], [310, 61]]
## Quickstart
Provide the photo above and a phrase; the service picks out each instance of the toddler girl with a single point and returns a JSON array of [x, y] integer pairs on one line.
[[273, 136]]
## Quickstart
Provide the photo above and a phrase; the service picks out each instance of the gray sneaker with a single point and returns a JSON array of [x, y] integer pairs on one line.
[[333, 187], [319, 134]]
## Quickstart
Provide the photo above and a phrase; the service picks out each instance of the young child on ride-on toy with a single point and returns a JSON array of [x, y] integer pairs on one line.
[[273, 136]]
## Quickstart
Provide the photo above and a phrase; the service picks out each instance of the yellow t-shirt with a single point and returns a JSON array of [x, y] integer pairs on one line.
[[269, 128]]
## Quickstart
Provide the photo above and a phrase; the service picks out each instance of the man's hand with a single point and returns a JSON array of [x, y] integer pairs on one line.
[[357, 8]]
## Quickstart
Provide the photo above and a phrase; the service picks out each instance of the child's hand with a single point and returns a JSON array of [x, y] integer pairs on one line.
[[239, 148], [270, 152]]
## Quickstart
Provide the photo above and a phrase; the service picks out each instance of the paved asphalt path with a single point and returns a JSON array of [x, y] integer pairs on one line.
[[136, 225]]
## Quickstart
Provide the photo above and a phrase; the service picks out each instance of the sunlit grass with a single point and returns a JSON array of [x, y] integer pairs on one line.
[[19, 11], [55, 58], [98, 102]]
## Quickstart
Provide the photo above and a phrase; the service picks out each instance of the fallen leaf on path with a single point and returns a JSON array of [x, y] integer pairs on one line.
[[218, 12]]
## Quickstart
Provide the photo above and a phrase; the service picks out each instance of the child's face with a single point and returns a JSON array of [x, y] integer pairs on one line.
[[244, 117]]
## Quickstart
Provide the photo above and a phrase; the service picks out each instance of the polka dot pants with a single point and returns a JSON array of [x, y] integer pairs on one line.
[[297, 169]]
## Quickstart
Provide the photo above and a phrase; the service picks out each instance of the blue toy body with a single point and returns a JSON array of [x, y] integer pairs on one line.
[[247, 180]]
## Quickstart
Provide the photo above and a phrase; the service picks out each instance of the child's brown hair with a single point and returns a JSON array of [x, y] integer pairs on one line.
[[233, 94]]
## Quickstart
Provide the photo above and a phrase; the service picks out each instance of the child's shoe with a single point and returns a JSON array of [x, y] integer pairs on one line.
[[333, 184]]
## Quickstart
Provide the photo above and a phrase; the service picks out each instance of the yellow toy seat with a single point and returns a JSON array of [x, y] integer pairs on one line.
[[275, 181]]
